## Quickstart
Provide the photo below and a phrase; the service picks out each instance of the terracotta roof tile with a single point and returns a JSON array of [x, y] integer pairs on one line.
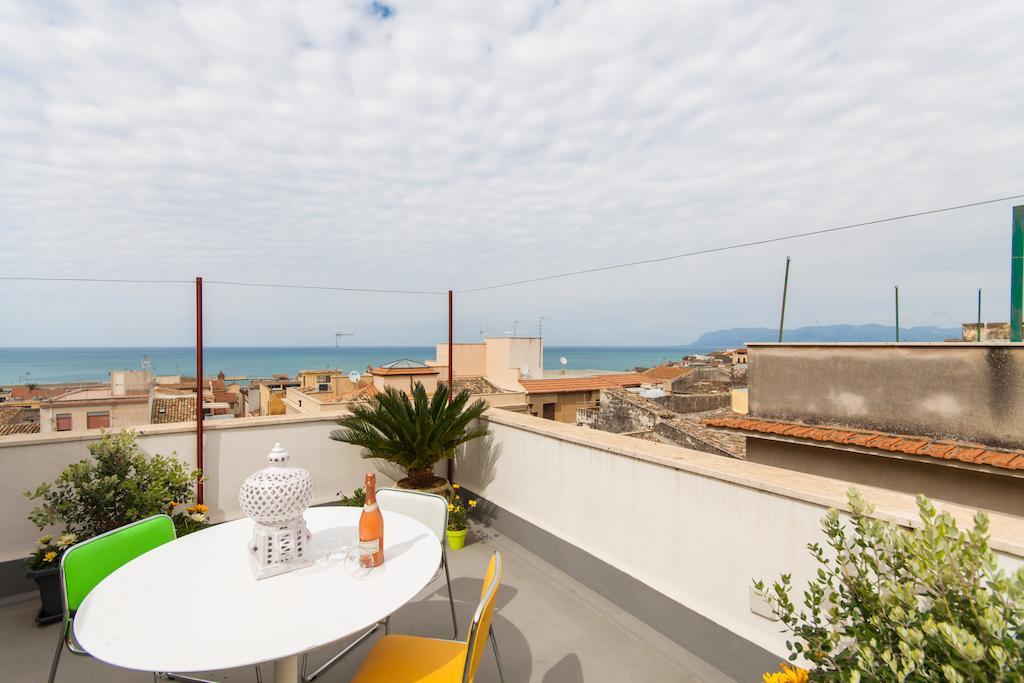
[[176, 408], [894, 443], [19, 428], [1000, 459], [662, 373], [965, 454], [561, 386], [625, 379], [936, 450]]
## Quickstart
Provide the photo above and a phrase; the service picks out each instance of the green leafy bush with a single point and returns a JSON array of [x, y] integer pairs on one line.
[[356, 500], [893, 604], [118, 485]]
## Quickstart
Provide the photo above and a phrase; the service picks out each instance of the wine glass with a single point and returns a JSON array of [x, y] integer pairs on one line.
[[359, 561]]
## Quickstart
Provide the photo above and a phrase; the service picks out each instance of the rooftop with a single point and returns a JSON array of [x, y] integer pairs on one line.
[[666, 372], [177, 408], [971, 453], [564, 385], [405, 366], [537, 623]]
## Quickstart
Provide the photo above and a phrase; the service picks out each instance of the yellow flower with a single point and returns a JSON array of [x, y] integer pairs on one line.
[[472, 503], [456, 486], [50, 556], [201, 508], [450, 507], [43, 540], [787, 675], [66, 540]]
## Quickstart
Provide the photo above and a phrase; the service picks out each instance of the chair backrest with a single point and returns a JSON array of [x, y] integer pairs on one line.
[[86, 564], [429, 508], [481, 627]]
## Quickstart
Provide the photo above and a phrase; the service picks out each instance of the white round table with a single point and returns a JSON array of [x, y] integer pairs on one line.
[[194, 604]]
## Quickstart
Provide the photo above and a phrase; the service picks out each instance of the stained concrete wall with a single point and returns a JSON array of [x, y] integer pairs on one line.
[[693, 403], [619, 416], [983, 490], [957, 391]]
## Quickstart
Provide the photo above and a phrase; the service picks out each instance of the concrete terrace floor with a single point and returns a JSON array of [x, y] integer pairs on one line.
[[550, 628]]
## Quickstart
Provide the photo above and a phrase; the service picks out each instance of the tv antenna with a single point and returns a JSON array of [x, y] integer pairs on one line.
[[337, 347], [540, 325]]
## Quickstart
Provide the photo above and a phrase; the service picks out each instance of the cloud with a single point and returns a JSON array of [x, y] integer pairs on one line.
[[450, 145]]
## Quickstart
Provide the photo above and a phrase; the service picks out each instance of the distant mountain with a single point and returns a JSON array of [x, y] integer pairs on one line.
[[826, 333]]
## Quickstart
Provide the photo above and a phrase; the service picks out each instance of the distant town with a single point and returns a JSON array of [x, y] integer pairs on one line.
[[670, 403]]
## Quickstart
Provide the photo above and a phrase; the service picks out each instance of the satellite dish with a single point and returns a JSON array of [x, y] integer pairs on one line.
[[563, 360], [354, 377], [525, 370]]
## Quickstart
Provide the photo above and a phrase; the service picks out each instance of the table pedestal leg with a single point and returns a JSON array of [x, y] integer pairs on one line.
[[286, 670]]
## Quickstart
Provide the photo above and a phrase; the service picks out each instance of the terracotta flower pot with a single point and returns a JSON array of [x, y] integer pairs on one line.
[[456, 539], [48, 581]]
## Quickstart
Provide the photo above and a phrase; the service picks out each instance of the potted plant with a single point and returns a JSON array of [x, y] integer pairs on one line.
[[44, 569], [116, 486], [415, 432], [457, 514], [888, 603]]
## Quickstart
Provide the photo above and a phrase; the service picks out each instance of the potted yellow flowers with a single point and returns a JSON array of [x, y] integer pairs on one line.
[[44, 569], [457, 513], [787, 674]]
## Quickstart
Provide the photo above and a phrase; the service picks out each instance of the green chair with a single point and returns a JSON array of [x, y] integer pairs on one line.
[[84, 565]]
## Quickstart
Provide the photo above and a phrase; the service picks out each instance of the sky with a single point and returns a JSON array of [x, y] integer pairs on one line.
[[415, 145]]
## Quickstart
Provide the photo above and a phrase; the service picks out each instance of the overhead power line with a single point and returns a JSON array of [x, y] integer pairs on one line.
[[93, 279], [332, 289], [741, 245], [216, 282], [628, 264]]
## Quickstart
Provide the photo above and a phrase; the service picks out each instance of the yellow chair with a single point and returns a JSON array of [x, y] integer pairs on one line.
[[412, 659]]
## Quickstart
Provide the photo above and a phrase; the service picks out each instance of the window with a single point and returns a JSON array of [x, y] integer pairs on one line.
[[549, 411], [323, 387], [97, 420], [64, 422]]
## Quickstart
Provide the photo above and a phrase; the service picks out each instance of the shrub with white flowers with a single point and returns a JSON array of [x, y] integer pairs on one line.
[[896, 604]]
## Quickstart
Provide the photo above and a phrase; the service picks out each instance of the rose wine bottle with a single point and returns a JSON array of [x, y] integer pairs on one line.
[[371, 523]]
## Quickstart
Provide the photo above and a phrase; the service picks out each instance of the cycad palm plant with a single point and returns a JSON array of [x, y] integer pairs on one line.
[[413, 433]]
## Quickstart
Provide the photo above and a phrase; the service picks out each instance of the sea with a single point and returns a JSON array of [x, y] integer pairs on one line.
[[59, 365]]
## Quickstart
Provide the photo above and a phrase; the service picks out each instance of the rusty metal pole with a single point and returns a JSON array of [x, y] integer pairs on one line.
[[897, 314], [785, 291], [451, 385], [979, 315], [199, 385]]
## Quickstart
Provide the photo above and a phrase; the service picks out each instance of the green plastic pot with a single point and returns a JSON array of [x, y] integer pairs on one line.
[[456, 539]]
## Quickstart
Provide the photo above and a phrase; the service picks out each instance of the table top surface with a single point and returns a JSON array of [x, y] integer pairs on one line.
[[195, 605]]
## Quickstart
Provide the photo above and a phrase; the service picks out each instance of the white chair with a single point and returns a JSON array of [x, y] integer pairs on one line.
[[428, 508]]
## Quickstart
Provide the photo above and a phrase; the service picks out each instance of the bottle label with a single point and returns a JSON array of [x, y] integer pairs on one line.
[[369, 507], [370, 546]]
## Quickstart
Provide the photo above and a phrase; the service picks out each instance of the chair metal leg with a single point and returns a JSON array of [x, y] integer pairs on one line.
[[259, 674], [387, 625], [451, 596], [497, 657], [336, 658], [61, 635]]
